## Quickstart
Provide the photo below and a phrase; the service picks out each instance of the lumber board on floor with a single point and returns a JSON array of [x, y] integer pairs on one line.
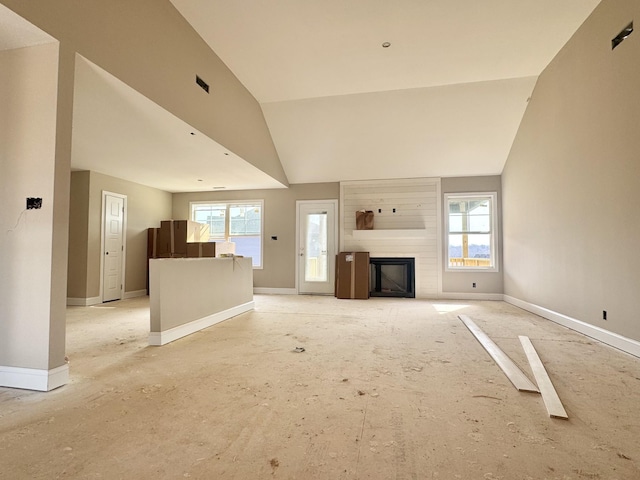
[[510, 369], [549, 395]]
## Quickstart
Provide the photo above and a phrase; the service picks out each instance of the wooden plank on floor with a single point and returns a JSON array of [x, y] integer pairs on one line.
[[549, 394], [510, 369]]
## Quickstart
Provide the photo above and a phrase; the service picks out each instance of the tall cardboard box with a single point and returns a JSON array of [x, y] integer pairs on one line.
[[172, 239], [152, 242], [352, 275]]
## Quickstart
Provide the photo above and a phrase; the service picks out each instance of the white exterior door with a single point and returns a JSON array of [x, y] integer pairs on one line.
[[317, 243], [113, 246]]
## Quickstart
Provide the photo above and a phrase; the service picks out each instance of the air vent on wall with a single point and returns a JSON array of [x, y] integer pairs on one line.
[[204, 85], [621, 36]]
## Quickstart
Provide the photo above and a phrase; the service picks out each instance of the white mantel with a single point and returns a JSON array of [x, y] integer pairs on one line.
[[389, 233]]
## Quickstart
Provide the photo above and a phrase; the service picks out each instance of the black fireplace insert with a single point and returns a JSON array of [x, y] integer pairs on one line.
[[392, 277]]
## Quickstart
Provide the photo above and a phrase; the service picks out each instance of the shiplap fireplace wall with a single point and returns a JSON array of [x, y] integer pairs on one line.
[[412, 230]]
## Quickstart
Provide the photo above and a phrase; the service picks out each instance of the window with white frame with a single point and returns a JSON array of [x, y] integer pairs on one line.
[[239, 222], [471, 233]]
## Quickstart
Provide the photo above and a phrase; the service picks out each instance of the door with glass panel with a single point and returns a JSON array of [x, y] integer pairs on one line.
[[316, 246]]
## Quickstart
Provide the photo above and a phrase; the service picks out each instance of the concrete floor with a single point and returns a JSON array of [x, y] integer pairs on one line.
[[385, 389]]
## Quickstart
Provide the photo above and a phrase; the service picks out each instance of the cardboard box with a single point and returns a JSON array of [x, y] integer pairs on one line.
[[201, 249], [197, 232], [173, 237], [352, 275], [225, 248], [175, 234]]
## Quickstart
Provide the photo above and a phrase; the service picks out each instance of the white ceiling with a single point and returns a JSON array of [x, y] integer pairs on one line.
[[445, 99], [119, 132], [16, 32]]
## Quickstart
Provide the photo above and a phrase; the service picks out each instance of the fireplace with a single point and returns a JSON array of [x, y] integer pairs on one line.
[[392, 277]]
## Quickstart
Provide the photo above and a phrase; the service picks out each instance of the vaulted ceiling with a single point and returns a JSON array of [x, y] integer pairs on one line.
[[445, 98]]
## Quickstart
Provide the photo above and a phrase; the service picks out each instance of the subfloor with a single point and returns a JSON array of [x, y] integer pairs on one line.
[[384, 389]]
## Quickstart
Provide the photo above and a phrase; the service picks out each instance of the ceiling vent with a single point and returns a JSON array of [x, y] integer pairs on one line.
[[622, 35], [204, 85]]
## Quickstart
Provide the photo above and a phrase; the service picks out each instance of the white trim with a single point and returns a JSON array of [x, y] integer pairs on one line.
[[83, 302], [167, 336], [274, 291], [470, 296], [337, 241], [494, 232], [625, 344], [34, 379], [134, 294]]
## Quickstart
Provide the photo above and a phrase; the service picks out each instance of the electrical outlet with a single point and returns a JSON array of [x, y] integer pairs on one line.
[[604, 314], [473, 284], [34, 203]]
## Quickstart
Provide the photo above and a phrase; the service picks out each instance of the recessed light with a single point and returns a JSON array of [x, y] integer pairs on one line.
[[226, 153], [192, 133], [386, 45]]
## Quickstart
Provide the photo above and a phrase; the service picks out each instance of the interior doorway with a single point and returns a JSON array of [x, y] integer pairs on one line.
[[114, 214], [316, 244]]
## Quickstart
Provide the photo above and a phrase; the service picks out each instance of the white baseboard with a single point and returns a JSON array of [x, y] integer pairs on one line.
[[625, 344], [135, 294], [34, 379], [274, 291], [469, 296], [83, 302], [168, 336]]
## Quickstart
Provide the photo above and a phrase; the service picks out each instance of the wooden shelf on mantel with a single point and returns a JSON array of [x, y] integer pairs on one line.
[[382, 233]]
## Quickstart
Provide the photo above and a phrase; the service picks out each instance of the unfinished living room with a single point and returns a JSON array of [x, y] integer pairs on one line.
[[319, 240]]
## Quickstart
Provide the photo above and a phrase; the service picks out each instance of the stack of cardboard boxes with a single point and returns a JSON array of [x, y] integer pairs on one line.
[[180, 239]]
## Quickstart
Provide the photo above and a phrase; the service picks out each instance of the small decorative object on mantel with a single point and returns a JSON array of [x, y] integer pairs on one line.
[[364, 220]]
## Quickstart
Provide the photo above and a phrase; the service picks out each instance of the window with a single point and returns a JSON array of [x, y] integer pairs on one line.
[[470, 223], [237, 222]]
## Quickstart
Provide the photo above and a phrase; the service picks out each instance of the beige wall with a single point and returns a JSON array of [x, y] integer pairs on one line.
[[146, 207], [78, 235], [279, 220], [149, 46], [462, 282], [28, 95], [571, 183]]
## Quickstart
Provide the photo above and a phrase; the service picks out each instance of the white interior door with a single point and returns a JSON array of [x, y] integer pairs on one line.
[[317, 243], [113, 246]]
